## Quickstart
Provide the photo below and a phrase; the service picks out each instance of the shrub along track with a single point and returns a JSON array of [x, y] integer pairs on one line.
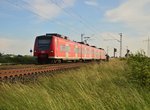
[[22, 72]]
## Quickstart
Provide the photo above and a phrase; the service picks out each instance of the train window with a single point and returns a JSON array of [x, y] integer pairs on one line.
[[62, 48], [91, 52], [79, 50], [67, 48], [43, 43], [83, 51], [88, 52], [75, 50]]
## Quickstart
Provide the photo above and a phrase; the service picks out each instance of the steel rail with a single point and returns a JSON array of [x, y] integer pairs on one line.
[[33, 70]]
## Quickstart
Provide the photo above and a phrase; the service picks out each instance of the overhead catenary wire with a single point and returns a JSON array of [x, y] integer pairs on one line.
[[91, 26], [66, 26], [76, 16], [56, 21], [79, 17]]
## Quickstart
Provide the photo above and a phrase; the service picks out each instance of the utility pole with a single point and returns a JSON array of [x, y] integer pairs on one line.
[[82, 37], [120, 44], [120, 41], [148, 46]]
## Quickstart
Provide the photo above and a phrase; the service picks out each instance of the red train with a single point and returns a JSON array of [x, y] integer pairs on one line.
[[54, 48]]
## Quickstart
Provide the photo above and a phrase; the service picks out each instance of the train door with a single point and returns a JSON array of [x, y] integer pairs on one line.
[[77, 51], [67, 51], [100, 54], [56, 47]]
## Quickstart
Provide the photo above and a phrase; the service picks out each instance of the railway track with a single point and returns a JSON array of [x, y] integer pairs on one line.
[[22, 71]]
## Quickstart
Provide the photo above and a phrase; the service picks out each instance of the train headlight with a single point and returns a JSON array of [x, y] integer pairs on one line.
[[51, 51]]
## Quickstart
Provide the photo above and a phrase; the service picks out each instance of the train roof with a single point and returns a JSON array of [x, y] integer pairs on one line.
[[53, 34], [81, 42], [57, 35], [48, 35], [93, 46], [101, 48], [65, 37]]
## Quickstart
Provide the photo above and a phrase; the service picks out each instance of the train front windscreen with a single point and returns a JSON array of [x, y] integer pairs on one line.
[[44, 43]]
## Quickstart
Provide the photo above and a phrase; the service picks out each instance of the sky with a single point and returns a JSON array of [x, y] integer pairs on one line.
[[101, 20]]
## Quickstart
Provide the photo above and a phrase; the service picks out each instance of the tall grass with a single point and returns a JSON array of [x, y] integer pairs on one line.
[[93, 87]]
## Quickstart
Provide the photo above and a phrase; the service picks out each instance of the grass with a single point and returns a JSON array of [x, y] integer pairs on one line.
[[93, 87]]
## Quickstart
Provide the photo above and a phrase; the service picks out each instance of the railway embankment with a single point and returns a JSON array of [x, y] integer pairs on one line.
[[104, 86]]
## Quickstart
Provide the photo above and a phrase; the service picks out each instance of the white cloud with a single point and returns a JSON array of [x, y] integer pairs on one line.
[[133, 13], [47, 9], [91, 2]]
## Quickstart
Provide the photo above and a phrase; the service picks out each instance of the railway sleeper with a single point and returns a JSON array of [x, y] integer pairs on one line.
[[33, 75]]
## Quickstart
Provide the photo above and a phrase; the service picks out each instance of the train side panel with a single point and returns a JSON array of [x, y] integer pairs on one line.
[[63, 49], [66, 49], [103, 55]]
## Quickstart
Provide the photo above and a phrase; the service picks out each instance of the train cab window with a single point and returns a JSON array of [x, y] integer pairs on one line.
[[44, 43]]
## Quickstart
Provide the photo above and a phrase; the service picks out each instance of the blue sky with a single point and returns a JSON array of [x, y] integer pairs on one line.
[[22, 20]]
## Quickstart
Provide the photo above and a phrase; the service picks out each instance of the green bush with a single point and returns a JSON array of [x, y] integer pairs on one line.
[[17, 59], [139, 65]]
